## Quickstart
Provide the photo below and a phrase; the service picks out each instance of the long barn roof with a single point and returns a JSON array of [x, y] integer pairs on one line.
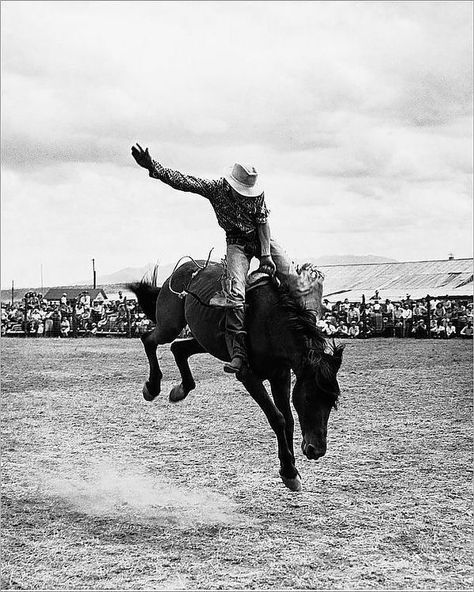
[[452, 277]]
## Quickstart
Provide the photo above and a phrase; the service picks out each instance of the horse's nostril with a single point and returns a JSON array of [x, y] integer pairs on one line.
[[313, 453]]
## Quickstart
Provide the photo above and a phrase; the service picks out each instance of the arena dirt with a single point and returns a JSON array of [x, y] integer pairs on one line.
[[102, 490]]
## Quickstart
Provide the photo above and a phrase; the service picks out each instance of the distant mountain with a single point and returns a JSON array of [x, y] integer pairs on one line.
[[347, 259], [135, 274]]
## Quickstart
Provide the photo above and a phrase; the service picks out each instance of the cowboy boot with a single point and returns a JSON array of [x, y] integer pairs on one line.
[[239, 354], [221, 300], [236, 340], [234, 366]]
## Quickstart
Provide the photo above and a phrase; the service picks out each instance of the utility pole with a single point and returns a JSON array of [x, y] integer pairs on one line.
[[13, 290], [41, 272], [93, 274]]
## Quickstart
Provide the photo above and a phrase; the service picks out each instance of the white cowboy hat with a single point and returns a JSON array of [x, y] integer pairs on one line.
[[243, 178]]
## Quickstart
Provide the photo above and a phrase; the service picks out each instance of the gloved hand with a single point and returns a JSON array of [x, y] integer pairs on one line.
[[142, 157], [267, 265]]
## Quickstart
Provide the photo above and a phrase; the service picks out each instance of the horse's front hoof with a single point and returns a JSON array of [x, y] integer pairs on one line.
[[177, 393], [294, 484], [147, 395]]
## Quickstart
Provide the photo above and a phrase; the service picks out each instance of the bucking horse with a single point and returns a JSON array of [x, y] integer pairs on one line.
[[282, 338]]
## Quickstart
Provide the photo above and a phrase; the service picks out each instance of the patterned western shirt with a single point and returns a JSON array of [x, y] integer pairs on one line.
[[237, 216]]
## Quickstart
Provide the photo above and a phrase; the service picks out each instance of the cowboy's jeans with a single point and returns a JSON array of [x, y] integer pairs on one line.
[[238, 263]]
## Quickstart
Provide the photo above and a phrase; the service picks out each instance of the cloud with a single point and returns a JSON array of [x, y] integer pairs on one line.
[[344, 108], [209, 73]]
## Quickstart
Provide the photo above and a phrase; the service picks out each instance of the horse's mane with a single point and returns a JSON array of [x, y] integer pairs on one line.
[[301, 320], [317, 351]]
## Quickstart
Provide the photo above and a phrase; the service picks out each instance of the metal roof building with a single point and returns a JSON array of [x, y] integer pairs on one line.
[[450, 277]]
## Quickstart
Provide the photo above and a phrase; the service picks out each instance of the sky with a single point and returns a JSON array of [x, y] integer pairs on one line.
[[357, 115]]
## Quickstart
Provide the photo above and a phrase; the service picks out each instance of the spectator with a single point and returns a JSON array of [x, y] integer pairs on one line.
[[419, 311], [330, 328], [438, 331], [79, 309], [450, 330], [466, 332], [86, 299], [398, 320], [388, 308], [56, 318], [325, 308], [407, 317], [377, 318], [48, 322], [34, 319], [85, 318], [342, 330], [419, 329], [459, 317], [65, 327], [353, 314], [368, 332], [375, 297], [4, 319], [439, 312], [354, 330], [97, 312], [143, 324], [345, 307]]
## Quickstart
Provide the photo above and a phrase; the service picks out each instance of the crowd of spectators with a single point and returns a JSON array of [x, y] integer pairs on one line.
[[439, 318], [36, 317]]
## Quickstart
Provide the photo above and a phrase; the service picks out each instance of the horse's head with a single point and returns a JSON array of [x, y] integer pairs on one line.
[[314, 395]]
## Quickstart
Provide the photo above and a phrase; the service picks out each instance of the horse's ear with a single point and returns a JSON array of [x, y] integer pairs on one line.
[[337, 354]]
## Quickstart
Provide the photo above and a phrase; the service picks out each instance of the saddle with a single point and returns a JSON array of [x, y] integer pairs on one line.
[[259, 278]]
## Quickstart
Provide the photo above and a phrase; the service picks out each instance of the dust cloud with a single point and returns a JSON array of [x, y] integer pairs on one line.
[[139, 497]]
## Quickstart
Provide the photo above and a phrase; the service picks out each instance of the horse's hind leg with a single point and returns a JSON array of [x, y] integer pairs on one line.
[[182, 350], [170, 315], [152, 386]]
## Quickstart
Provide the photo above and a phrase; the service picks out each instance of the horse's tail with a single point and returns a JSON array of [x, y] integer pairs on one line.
[[147, 295]]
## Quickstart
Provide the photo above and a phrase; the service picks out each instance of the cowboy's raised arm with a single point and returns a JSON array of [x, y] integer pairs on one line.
[[205, 187]]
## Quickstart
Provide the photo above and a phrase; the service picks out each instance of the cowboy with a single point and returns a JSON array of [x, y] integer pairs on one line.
[[239, 204]]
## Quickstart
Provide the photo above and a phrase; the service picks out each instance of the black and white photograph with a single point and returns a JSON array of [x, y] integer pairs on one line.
[[236, 295]]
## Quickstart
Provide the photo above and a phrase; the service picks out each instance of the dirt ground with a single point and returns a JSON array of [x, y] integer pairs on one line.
[[101, 490]]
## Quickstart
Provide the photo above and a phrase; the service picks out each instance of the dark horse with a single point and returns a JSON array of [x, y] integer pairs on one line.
[[282, 337]]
